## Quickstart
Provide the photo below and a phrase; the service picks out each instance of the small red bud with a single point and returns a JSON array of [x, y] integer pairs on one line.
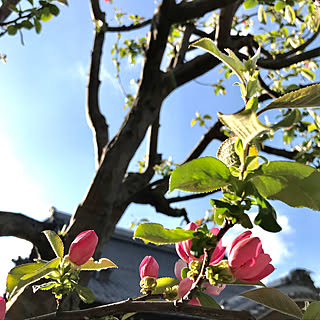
[[149, 267], [82, 247]]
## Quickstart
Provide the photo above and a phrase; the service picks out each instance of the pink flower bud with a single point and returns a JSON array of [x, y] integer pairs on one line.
[[247, 260], [149, 267], [82, 247], [2, 308]]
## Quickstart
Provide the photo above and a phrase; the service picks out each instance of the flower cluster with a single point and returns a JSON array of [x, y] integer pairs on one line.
[[247, 262]]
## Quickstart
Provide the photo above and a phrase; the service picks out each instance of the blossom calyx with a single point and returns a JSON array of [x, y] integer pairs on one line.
[[82, 247]]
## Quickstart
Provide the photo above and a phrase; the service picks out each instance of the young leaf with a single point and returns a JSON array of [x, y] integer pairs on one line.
[[55, 242], [231, 61], [200, 175], [156, 233], [294, 183], [163, 283], [248, 4], [103, 263], [274, 299], [16, 273], [262, 17], [35, 276], [85, 294], [312, 312], [303, 98], [207, 301], [244, 124]]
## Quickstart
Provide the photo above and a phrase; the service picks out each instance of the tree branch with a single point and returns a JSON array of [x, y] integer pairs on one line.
[[23, 227], [96, 120], [301, 47], [129, 28], [98, 208], [280, 63], [179, 59], [4, 9], [225, 23], [191, 10], [147, 306]]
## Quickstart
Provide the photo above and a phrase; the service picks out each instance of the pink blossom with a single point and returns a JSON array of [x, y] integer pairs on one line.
[[179, 265], [186, 284], [247, 260], [2, 308], [184, 287], [184, 248], [83, 247], [149, 267]]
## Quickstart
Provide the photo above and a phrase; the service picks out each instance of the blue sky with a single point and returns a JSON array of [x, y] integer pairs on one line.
[[47, 150]]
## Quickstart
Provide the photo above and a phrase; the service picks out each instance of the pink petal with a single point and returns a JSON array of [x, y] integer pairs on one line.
[[253, 268], [179, 265], [215, 231], [214, 290], [195, 302], [184, 286], [243, 251], [218, 253], [240, 237], [181, 253]]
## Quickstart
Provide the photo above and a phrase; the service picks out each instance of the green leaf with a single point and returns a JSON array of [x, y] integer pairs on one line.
[[231, 61], [54, 9], [267, 217], [85, 294], [275, 300], [207, 301], [156, 233], [302, 98], [262, 17], [248, 4], [12, 30], [16, 273], [27, 24], [127, 315], [200, 175], [308, 74], [289, 14], [55, 242], [163, 283], [244, 124], [37, 25], [312, 312], [103, 263], [294, 183], [34, 276], [46, 14], [279, 5], [52, 264], [290, 119]]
